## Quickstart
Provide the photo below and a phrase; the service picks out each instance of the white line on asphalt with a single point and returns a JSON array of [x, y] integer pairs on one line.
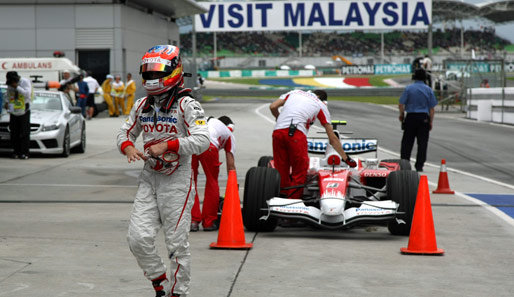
[[492, 209], [258, 111]]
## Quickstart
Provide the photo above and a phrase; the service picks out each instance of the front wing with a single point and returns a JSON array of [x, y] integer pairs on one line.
[[367, 212]]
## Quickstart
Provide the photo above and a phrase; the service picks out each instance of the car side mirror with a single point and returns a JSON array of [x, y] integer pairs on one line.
[[75, 109]]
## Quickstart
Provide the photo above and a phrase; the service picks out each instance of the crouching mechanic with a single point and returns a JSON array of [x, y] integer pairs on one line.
[[222, 137], [300, 110], [174, 128]]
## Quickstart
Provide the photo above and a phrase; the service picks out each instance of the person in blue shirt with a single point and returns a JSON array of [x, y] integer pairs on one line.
[[83, 92], [418, 101]]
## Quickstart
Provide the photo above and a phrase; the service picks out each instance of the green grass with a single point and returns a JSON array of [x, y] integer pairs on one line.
[[367, 99], [374, 80]]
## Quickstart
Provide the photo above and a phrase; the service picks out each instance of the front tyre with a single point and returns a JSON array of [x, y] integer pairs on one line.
[[402, 187], [261, 184], [66, 143]]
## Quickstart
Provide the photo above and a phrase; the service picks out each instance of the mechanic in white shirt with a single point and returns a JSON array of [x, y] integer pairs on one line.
[[222, 137], [300, 110], [93, 86]]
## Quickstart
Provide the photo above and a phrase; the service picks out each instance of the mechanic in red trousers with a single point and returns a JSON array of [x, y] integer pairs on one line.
[[300, 110], [222, 137]]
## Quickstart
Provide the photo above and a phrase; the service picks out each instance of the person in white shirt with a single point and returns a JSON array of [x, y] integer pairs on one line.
[[427, 65], [222, 137], [93, 86], [69, 89], [300, 110]]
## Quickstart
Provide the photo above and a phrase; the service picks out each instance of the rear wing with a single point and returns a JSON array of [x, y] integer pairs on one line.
[[318, 145]]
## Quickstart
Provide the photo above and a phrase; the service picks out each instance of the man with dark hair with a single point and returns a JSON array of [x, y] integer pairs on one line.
[[300, 110], [222, 137], [427, 66], [322, 95], [93, 87], [418, 100], [82, 93], [17, 101]]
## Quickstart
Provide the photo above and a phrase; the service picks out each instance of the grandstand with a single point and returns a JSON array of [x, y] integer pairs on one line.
[[446, 41], [352, 44]]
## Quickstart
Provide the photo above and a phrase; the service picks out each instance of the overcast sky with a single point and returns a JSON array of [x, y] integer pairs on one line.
[[506, 31]]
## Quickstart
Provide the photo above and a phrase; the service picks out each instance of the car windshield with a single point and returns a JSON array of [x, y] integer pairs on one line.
[[46, 101]]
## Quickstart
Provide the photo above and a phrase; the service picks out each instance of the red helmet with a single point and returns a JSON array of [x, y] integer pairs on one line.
[[161, 69]]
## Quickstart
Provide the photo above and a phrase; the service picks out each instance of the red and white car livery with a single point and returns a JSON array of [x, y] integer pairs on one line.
[[335, 196]]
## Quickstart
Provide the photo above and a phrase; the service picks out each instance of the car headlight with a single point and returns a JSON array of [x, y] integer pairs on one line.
[[50, 127]]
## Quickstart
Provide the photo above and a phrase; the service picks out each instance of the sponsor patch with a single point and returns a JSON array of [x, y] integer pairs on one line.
[[200, 122]]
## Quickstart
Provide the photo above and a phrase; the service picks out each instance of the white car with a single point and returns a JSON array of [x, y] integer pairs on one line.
[[56, 127]]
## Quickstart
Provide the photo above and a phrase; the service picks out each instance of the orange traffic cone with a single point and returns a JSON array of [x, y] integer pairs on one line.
[[443, 186], [422, 233], [231, 234]]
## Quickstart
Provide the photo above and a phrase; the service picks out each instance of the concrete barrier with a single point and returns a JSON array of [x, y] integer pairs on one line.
[[491, 105]]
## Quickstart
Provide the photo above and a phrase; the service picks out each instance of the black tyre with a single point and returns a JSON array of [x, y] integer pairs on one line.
[[264, 161], [402, 187], [66, 149], [404, 164], [81, 148], [261, 184]]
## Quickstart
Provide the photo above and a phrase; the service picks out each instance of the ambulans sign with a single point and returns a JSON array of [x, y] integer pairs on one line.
[[314, 15]]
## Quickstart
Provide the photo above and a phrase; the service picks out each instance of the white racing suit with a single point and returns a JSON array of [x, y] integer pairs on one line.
[[166, 191]]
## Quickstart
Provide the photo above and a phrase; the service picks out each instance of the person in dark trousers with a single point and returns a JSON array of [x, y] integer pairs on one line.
[[18, 100], [418, 100], [83, 92], [300, 110]]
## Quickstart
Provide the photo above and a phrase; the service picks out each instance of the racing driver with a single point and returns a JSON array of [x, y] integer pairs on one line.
[[300, 110], [174, 127]]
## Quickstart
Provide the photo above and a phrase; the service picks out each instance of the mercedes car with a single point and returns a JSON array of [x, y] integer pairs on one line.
[[56, 127]]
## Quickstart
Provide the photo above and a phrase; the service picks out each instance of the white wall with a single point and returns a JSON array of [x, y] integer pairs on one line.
[[31, 30]]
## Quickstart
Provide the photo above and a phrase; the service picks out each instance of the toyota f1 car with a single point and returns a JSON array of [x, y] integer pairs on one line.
[[335, 196]]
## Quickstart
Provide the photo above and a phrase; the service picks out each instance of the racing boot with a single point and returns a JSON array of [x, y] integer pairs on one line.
[[195, 226], [162, 286]]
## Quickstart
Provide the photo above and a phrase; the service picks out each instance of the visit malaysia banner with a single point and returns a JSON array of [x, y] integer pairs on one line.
[[313, 15]]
